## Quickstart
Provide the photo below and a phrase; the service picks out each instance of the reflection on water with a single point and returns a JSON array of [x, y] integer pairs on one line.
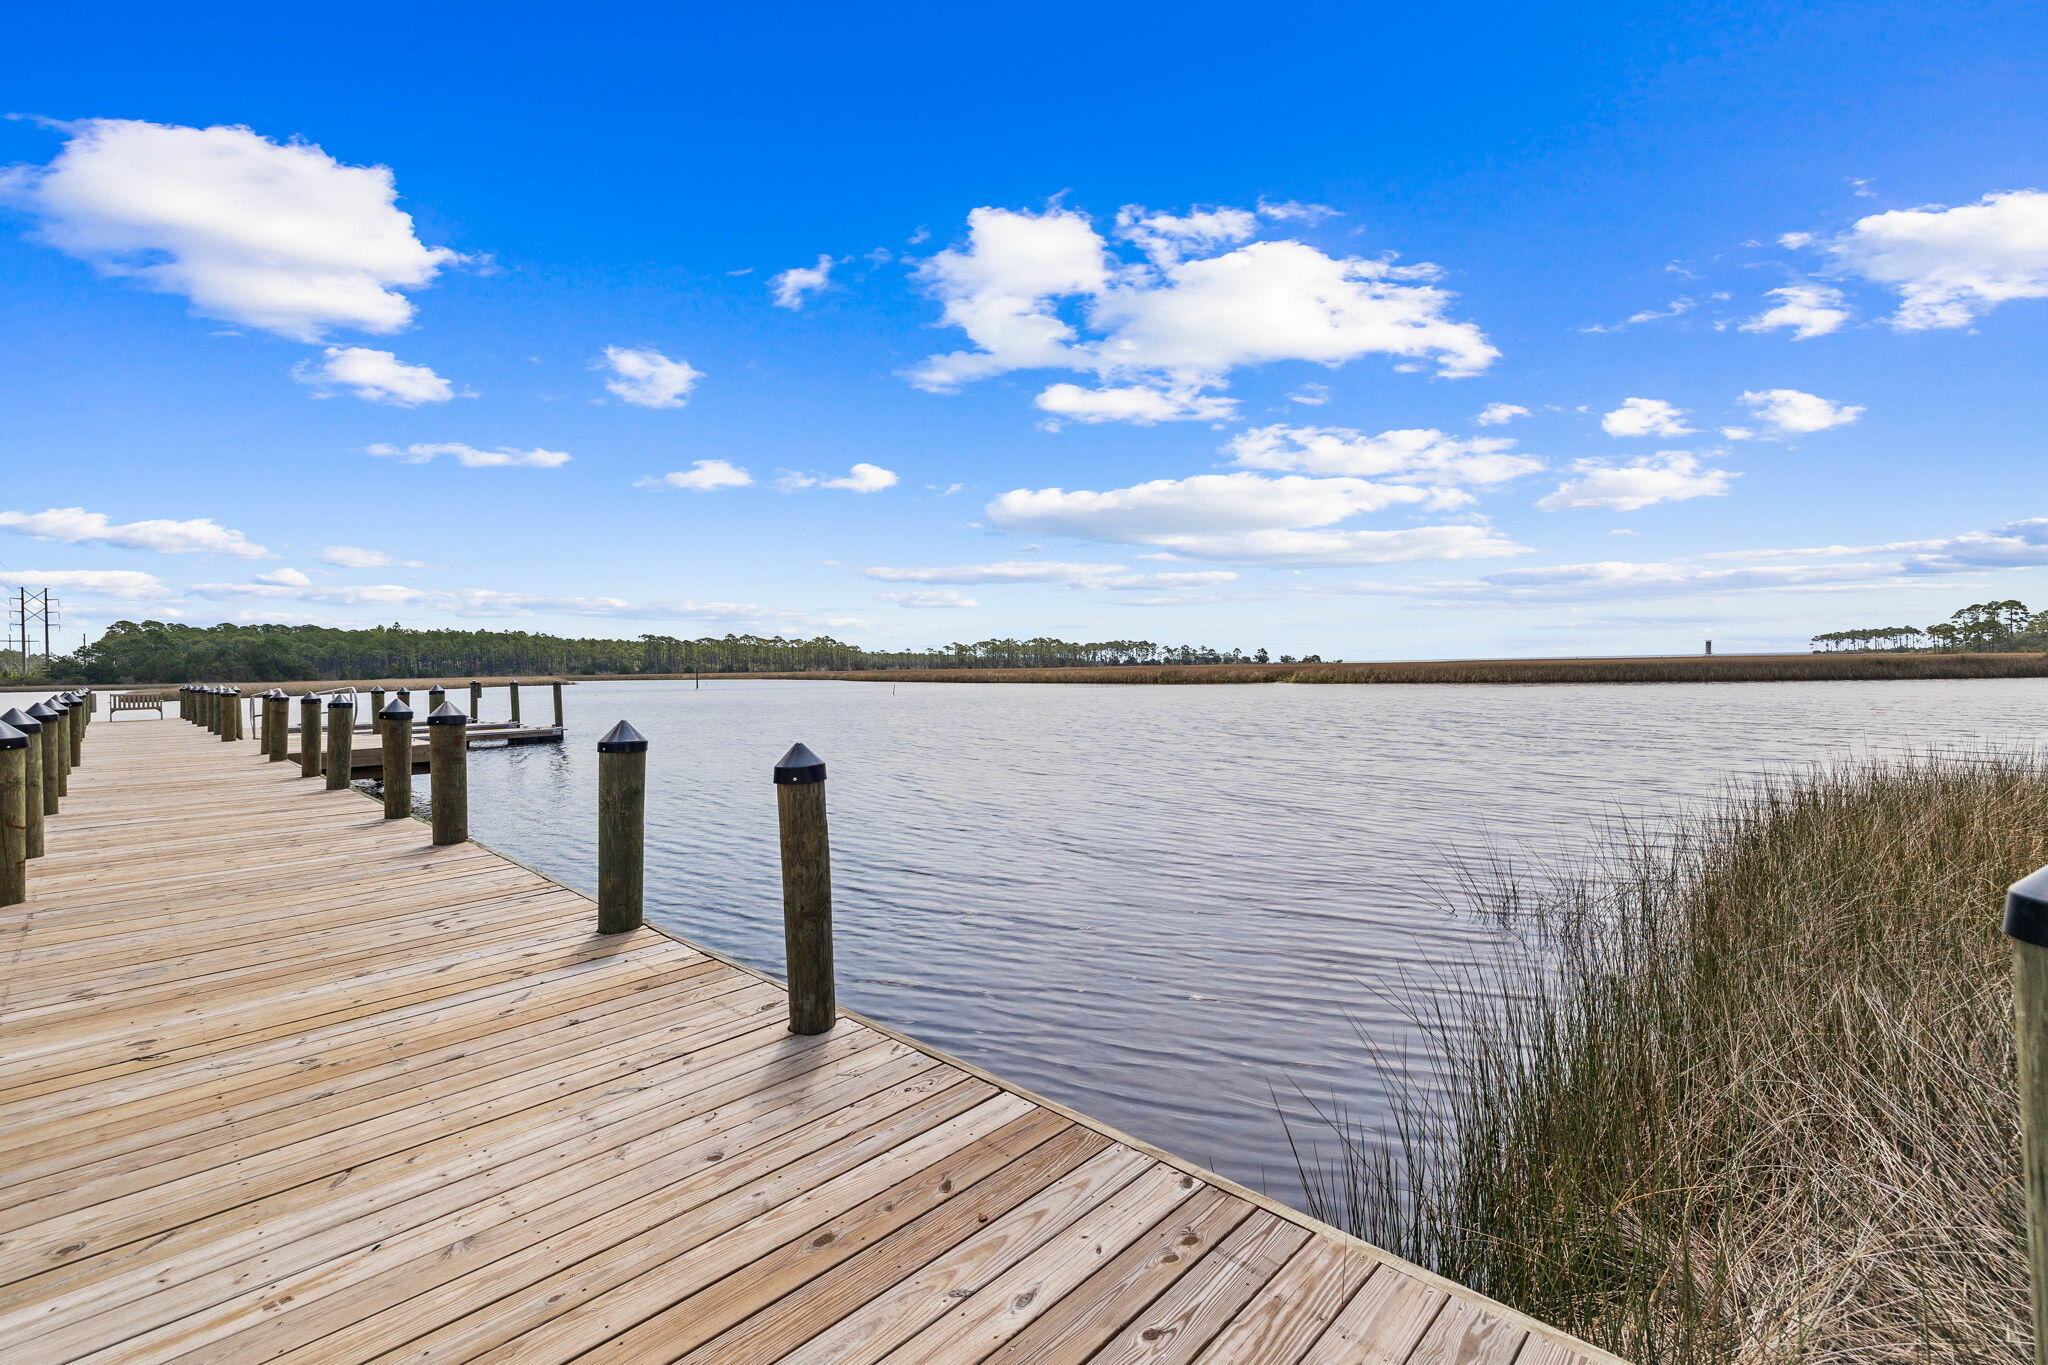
[[1167, 906]]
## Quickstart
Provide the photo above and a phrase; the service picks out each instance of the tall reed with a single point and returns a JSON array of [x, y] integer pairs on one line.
[[1749, 1096]]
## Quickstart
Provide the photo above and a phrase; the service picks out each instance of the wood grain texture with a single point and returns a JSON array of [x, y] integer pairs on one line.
[[284, 1081]]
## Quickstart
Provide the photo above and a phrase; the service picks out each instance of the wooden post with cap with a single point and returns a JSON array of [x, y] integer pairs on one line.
[[395, 724], [806, 890], [513, 688], [448, 770], [14, 801], [53, 764], [32, 777], [341, 743], [58, 729], [277, 724], [309, 734], [231, 715], [2026, 924], [621, 829]]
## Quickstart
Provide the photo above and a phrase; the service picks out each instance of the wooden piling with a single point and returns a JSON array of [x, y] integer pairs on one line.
[[513, 688], [33, 778], [60, 742], [621, 829], [806, 890], [14, 803], [341, 742], [376, 709], [277, 711], [437, 696], [448, 772], [309, 735], [231, 715], [53, 765], [395, 721], [75, 734], [2026, 923], [558, 704], [476, 700]]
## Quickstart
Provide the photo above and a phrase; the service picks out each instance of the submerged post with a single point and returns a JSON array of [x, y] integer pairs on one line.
[[806, 889], [621, 828], [2026, 923], [341, 743], [53, 765], [395, 721], [448, 771], [558, 704], [309, 735], [32, 776], [14, 802]]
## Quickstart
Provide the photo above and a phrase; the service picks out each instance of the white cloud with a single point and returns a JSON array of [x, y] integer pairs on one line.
[[702, 475], [1310, 395], [487, 602], [648, 379], [1950, 265], [1177, 321], [1499, 414], [936, 597], [469, 455], [128, 585], [289, 578], [1420, 456], [1141, 405], [1809, 310], [1645, 417], [1087, 576], [1349, 547], [793, 286], [1667, 476], [266, 234], [76, 526], [2016, 545], [862, 478], [374, 376], [1676, 307], [1788, 412], [354, 557]]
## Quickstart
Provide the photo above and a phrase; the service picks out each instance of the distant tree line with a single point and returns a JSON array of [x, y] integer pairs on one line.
[[1983, 627], [159, 651]]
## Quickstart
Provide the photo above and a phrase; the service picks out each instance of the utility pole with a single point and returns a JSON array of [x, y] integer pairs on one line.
[[31, 608]]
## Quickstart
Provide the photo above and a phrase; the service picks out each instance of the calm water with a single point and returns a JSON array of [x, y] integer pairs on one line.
[[1166, 906]]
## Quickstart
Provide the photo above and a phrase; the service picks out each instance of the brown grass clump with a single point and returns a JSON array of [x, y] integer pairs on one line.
[[1758, 1103], [1676, 668]]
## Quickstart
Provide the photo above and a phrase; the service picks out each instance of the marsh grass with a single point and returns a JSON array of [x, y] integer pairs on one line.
[[1674, 669], [1750, 1097]]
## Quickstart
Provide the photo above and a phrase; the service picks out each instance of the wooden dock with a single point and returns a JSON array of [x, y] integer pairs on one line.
[[282, 1081]]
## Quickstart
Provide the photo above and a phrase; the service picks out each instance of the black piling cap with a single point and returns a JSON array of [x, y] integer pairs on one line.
[[309, 698], [72, 699], [58, 706], [11, 738], [21, 720], [2026, 909], [436, 691], [799, 766], [42, 710], [445, 714], [396, 710], [622, 739], [341, 704]]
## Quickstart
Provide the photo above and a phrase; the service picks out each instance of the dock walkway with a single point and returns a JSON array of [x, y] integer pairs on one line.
[[279, 1080]]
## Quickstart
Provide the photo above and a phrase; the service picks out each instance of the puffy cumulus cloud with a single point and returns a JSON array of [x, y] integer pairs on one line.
[[276, 235], [121, 585], [1499, 414], [470, 456], [1139, 404], [862, 478], [1949, 266], [934, 597], [1085, 576], [1413, 456], [289, 578], [1808, 310], [1626, 486], [646, 378], [1243, 516], [702, 476], [793, 287], [1788, 412], [355, 557], [1186, 315], [76, 526], [1645, 417], [374, 376]]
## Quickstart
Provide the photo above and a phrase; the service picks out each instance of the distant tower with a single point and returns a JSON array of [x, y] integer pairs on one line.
[[1710, 646]]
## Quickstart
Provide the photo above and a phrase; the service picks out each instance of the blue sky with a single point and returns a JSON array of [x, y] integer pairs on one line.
[[1116, 325]]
